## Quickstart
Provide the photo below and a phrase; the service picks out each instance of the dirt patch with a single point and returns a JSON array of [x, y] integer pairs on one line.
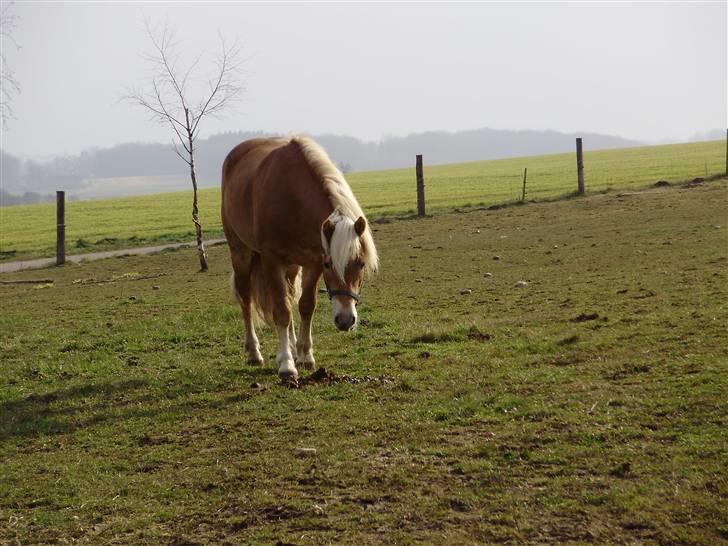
[[183, 541], [147, 440], [621, 470], [43, 398], [644, 294], [570, 340], [279, 513], [436, 337], [584, 317], [324, 377], [476, 335]]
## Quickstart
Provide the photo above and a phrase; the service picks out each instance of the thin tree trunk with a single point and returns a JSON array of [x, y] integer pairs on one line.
[[195, 218], [195, 211]]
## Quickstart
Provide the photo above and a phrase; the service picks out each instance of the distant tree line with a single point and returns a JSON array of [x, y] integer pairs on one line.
[[349, 153], [28, 198]]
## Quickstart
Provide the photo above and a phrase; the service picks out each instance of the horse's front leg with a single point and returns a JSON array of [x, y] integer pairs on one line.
[[292, 274], [292, 339], [284, 358], [306, 306]]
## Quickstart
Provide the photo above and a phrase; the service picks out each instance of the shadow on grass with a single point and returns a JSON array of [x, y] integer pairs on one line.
[[52, 412], [67, 410]]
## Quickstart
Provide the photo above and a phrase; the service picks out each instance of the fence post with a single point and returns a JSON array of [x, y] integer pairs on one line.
[[523, 193], [60, 227], [420, 187], [580, 166]]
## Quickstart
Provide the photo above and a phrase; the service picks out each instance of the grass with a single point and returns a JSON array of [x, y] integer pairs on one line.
[[27, 231], [587, 406]]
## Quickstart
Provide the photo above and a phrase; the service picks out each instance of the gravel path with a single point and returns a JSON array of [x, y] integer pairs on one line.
[[11, 267]]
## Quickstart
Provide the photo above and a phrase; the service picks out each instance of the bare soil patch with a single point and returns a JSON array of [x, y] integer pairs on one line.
[[322, 376]]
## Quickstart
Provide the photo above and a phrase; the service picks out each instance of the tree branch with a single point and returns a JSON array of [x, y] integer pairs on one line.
[[9, 86], [162, 45], [183, 158], [225, 87]]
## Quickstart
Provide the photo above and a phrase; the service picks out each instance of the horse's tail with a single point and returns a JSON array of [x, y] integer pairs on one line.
[[262, 304]]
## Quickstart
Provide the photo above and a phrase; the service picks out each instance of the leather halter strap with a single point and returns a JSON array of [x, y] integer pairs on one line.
[[348, 293]]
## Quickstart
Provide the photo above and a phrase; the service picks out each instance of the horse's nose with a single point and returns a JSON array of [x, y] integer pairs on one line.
[[344, 322]]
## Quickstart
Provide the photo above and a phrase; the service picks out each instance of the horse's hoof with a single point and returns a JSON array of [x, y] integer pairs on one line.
[[289, 379], [306, 365], [255, 361]]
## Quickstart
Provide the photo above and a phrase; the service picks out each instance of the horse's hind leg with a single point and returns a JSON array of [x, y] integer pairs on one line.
[[242, 260], [280, 308]]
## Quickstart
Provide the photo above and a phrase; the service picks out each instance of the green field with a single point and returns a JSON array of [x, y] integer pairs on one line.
[[586, 407], [120, 223]]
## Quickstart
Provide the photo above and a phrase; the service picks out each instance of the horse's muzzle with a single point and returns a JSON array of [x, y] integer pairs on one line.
[[345, 321]]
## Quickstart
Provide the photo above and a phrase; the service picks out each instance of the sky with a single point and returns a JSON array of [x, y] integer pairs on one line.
[[645, 71]]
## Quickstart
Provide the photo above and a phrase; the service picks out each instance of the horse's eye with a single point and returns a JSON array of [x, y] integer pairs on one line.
[[327, 264]]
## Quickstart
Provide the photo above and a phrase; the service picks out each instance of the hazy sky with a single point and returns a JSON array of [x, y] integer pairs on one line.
[[647, 71]]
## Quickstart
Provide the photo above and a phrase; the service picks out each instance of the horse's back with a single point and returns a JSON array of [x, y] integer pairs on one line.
[[253, 151], [240, 170], [271, 200]]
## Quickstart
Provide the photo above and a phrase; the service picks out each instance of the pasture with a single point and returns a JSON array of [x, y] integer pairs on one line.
[[27, 231], [586, 406]]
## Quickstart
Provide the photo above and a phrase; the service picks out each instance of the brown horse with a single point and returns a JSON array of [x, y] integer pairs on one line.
[[289, 216]]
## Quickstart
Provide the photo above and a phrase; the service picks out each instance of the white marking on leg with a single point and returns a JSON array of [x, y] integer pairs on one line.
[[286, 366], [292, 339], [253, 347], [251, 340], [305, 345]]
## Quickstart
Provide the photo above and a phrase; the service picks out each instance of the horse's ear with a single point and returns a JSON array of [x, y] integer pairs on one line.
[[328, 228], [360, 225]]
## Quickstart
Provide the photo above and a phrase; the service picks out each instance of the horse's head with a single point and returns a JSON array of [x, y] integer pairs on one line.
[[348, 253]]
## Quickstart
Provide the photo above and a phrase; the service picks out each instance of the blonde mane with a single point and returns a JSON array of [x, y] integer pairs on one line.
[[345, 245]]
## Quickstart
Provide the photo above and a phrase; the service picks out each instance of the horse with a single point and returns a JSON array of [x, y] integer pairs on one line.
[[290, 217]]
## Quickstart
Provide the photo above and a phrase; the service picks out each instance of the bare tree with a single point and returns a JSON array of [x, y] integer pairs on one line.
[[168, 98], [9, 86]]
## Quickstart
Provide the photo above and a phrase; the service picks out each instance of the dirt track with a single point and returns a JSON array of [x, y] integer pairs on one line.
[[11, 267]]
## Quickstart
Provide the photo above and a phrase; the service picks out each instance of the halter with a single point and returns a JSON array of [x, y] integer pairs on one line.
[[348, 293]]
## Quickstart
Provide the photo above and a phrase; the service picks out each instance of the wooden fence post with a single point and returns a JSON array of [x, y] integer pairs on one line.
[[523, 193], [60, 227], [420, 187], [580, 166]]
